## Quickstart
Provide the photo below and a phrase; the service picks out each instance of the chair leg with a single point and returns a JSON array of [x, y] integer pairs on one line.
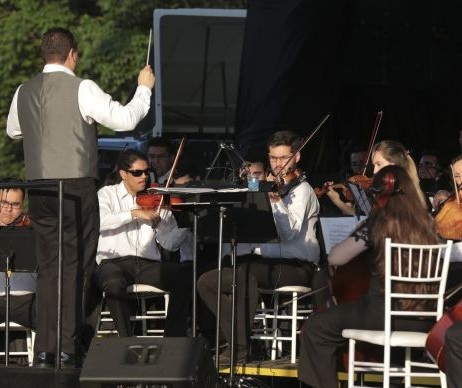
[[30, 339], [351, 363], [144, 322], [275, 342], [293, 341], [407, 368], [443, 381]]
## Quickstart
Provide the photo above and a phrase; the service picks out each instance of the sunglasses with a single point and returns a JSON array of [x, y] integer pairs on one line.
[[138, 173]]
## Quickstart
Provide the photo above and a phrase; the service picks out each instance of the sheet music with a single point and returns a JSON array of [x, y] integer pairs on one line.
[[337, 229]]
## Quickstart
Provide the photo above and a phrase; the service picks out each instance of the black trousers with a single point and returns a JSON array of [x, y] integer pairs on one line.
[[453, 354], [80, 239], [22, 309], [253, 272], [321, 335], [113, 276]]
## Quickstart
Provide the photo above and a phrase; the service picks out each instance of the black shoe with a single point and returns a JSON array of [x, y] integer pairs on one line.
[[71, 360], [47, 360], [44, 360]]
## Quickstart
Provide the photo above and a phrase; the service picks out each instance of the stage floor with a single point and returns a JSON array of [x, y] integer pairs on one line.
[[275, 374]]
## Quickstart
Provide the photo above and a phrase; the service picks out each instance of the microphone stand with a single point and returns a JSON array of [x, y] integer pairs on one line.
[[8, 272], [233, 312]]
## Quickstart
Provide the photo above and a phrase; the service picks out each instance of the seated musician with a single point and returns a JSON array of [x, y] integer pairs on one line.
[[254, 166], [22, 284], [356, 162], [396, 213], [186, 173], [432, 177], [161, 154], [291, 261], [448, 224], [129, 248]]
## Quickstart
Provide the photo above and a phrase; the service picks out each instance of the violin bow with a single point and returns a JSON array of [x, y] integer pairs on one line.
[[172, 170], [302, 145], [378, 120], [456, 188]]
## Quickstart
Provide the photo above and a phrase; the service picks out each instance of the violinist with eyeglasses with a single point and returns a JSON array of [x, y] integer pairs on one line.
[[22, 284], [290, 261]]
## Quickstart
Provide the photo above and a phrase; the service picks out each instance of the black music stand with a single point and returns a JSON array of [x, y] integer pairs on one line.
[[250, 221], [196, 208]]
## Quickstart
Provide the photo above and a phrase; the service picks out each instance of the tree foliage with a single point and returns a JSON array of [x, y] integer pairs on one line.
[[112, 37]]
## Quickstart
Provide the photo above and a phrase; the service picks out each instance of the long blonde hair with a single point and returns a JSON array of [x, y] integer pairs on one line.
[[395, 153]]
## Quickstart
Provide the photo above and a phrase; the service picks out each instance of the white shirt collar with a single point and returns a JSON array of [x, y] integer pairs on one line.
[[52, 67], [122, 191]]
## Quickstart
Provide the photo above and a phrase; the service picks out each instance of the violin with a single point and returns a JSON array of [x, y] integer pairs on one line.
[[359, 180], [448, 220], [288, 181], [321, 191], [150, 200]]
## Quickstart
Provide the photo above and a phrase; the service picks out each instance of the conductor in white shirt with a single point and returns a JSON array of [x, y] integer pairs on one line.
[[55, 113], [128, 248]]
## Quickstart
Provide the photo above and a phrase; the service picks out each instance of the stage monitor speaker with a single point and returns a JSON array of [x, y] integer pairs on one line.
[[148, 362]]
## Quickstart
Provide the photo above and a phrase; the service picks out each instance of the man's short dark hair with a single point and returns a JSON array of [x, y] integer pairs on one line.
[[13, 180], [163, 143], [284, 138], [56, 44]]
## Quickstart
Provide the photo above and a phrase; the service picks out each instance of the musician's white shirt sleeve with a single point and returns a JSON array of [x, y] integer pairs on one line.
[[94, 105]]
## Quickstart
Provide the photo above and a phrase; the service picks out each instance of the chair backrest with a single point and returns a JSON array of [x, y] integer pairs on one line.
[[415, 265]]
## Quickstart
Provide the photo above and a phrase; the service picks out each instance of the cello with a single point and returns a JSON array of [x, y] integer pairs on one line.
[[436, 336]]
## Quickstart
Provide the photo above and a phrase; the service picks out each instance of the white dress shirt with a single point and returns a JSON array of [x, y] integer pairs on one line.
[[295, 217], [122, 235], [94, 105]]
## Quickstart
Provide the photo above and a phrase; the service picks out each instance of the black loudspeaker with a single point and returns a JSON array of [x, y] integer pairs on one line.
[[148, 362]]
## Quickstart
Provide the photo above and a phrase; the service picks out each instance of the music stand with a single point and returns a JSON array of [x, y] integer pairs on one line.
[[360, 199], [195, 208], [252, 221]]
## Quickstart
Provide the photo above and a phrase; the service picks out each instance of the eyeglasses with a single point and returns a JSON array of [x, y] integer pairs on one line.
[[427, 165], [283, 159], [138, 173], [14, 205]]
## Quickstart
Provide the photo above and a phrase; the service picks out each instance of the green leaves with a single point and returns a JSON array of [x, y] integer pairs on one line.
[[112, 37]]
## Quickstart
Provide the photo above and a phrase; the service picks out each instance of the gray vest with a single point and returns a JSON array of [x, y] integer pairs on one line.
[[58, 143]]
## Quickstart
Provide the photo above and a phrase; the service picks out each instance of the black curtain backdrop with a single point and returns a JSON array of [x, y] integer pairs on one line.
[[304, 58]]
